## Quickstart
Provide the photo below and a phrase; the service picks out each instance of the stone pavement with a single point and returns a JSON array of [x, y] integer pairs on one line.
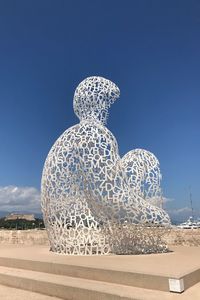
[[9, 293], [112, 277]]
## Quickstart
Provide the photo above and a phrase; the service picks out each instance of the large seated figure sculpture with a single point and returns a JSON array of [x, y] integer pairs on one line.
[[86, 184]]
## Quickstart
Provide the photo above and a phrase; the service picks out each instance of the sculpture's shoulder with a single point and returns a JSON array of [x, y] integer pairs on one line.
[[66, 139], [85, 131], [83, 134], [97, 131]]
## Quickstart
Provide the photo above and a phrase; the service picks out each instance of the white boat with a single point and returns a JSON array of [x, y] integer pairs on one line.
[[189, 224]]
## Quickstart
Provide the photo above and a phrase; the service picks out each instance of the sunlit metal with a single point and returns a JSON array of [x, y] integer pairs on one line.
[[85, 183]]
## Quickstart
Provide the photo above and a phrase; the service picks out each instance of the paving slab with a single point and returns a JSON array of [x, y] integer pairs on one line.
[[81, 289], [146, 272], [9, 293], [179, 262]]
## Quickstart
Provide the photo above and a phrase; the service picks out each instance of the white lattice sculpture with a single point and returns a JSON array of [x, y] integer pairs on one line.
[[85, 183], [143, 175]]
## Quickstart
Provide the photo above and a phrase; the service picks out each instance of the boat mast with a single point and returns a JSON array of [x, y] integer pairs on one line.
[[192, 209]]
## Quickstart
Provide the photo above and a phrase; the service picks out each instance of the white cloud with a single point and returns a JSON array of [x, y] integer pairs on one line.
[[182, 213], [177, 214], [159, 200], [181, 210], [167, 200], [13, 198]]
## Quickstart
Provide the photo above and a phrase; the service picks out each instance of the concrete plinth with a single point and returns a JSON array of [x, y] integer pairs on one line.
[[100, 277]]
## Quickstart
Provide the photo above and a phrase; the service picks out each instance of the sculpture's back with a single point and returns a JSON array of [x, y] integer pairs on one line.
[[70, 204]]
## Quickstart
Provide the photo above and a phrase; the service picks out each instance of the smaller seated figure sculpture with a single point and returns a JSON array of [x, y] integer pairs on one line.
[[85, 183]]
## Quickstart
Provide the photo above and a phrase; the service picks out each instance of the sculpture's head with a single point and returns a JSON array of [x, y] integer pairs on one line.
[[93, 97]]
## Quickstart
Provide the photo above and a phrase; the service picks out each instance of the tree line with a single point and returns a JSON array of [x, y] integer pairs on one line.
[[21, 224]]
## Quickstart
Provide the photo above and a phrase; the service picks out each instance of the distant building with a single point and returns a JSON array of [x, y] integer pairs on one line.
[[14, 216]]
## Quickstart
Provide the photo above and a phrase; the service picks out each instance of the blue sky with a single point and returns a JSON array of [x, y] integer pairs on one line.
[[150, 49]]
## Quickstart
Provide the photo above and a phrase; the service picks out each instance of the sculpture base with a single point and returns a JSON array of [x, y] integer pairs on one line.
[[108, 277]]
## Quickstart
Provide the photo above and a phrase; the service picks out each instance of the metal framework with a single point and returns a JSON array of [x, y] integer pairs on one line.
[[85, 183]]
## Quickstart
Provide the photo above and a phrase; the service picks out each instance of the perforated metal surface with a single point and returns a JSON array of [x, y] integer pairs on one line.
[[85, 183]]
